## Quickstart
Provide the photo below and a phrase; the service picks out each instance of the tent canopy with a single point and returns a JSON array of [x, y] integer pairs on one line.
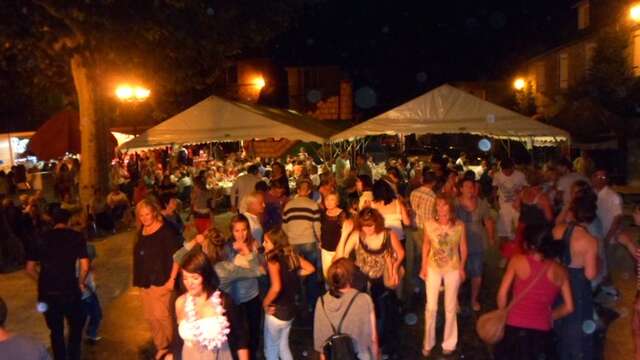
[[218, 119], [447, 110]]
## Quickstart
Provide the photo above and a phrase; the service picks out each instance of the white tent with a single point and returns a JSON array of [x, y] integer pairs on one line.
[[447, 110], [218, 119]]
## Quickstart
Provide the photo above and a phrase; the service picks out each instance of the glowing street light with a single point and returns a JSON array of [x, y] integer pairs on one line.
[[127, 92], [141, 93], [634, 12], [519, 84], [259, 82]]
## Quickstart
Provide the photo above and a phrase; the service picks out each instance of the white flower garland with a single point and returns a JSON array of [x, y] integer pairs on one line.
[[217, 332]]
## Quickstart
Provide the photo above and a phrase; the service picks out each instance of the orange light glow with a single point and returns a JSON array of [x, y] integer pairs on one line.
[[259, 82], [127, 92], [634, 12]]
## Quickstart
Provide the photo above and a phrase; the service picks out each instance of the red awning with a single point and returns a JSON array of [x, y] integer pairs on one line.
[[60, 135]]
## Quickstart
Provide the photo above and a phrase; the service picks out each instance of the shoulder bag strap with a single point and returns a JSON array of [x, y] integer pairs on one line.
[[344, 315], [529, 287], [333, 328]]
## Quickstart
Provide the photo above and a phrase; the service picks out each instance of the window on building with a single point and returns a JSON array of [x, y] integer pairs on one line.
[[636, 52], [564, 71], [589, 51], [584, 10]]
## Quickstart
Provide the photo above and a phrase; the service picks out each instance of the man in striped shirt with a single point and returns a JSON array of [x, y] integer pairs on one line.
[[422, 202], [301, 223]]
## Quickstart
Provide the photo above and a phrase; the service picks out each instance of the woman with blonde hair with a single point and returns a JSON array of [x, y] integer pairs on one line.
[[284, 266], [444, 256], [154, 272], [332, 230]]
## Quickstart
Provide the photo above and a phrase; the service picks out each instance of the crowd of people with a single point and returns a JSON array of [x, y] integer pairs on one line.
[[340, 244]]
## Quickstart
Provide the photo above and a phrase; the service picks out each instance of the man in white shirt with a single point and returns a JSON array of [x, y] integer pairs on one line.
[[609, 205], [244, 185], [508, 183], [462, 161], [254, 205], [610, 215], [567, 178]]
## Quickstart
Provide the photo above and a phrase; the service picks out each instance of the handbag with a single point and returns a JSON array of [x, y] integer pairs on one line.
[[490, 326], [387, 279]]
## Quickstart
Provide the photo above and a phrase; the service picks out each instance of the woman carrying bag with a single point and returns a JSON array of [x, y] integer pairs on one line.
[[378, 255], [536, 280]]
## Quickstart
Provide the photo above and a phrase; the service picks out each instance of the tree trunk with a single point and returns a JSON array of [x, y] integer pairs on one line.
[[93, 136]]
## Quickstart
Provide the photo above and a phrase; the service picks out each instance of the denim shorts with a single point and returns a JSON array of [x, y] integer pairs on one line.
[[474, 265]]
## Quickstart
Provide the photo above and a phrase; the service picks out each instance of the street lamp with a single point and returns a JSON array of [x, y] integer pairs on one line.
[[634, 12], [127, 92], [519, 84], [259, 82]]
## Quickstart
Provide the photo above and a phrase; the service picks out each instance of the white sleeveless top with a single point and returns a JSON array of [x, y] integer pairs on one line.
[[392, 217]]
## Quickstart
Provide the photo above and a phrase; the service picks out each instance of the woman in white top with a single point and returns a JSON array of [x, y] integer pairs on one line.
[[392, 209], [444, 256], [202, 322]]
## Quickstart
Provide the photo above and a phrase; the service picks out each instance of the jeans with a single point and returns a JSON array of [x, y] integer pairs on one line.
[[59, 308], [93, 311], [451, 285], [310, 283], [276, 338]]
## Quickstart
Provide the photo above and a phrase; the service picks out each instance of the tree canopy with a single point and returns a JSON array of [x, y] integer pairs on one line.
[[178, 48]]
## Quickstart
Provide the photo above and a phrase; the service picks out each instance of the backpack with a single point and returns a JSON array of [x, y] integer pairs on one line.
[[339, 346]]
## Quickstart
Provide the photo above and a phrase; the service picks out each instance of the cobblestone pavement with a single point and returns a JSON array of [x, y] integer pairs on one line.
[[126, 336]]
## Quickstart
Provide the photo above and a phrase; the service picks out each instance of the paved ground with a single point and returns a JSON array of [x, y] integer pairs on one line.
[[127, 337]]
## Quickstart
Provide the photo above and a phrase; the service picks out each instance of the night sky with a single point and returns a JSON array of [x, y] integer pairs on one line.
[[404, 48], [399, 49]]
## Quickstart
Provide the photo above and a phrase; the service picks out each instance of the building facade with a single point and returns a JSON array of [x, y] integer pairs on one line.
[[552, 73]]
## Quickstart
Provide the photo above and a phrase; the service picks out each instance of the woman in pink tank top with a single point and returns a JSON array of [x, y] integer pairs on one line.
[[536, 280]]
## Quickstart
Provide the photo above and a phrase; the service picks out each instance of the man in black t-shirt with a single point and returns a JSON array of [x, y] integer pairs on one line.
[[59, 284]]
